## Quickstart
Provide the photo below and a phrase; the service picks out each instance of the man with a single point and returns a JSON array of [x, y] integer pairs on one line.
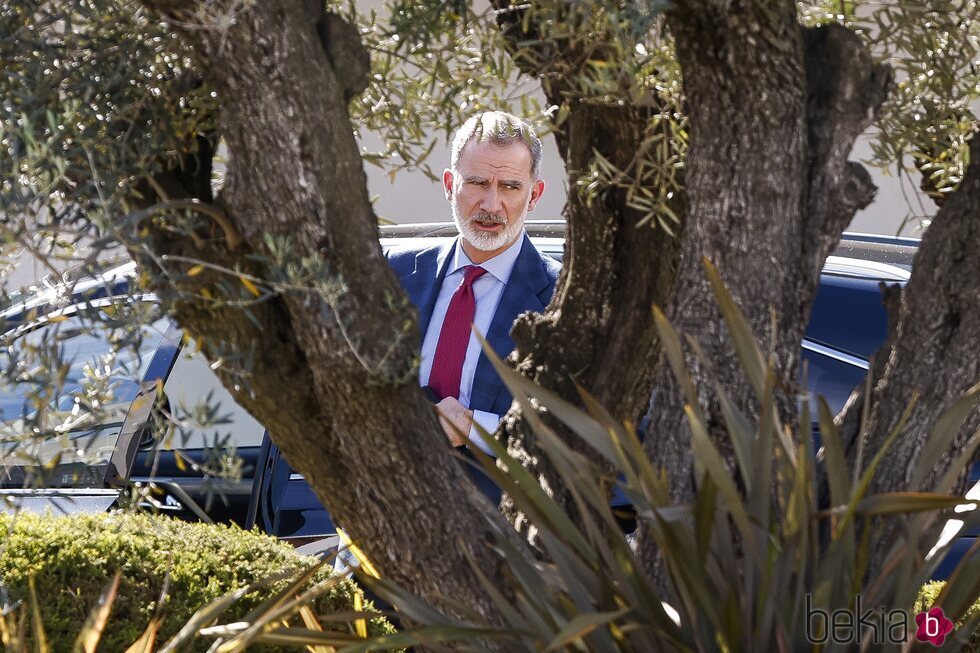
[[484, 279]]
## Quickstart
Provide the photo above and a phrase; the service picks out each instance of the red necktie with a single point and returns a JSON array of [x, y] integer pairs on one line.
[[447, 365]]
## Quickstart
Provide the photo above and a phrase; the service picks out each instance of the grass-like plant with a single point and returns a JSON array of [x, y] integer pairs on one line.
[[751, 563]]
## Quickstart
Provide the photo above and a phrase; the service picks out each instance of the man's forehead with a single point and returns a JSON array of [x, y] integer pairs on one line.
[[486, 159]]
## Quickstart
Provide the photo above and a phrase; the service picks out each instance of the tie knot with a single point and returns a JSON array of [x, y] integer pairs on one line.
[[471, 273]]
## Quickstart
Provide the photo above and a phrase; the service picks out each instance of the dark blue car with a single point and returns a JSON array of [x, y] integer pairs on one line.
[[848, 324]]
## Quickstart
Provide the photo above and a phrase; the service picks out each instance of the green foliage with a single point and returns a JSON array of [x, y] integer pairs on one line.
[[739, 558], [928, 118], [71, 559], [67, 384], [97, 94], [929, 594], [101, 94], [934, 48]]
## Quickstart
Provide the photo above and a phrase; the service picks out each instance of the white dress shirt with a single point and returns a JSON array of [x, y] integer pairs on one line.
[[487, 290]]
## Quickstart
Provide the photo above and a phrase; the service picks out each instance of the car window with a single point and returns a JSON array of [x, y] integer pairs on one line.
[[66, 384], [205, 412], [831, 375]]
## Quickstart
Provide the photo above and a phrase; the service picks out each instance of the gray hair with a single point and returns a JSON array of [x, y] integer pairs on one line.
[[500, 129]]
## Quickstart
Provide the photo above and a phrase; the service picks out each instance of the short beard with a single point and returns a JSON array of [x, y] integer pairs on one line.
[[482, 240]]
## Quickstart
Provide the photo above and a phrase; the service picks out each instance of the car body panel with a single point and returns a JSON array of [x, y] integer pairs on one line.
[[835, 323]]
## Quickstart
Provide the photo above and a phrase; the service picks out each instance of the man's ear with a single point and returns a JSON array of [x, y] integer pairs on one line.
[[537, 190], [447, 183]]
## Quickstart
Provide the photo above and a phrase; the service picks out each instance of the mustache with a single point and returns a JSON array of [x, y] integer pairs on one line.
[[490, 218]]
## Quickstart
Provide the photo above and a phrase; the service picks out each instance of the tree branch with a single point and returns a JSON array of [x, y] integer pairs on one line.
[[928, 361], [232, 237], [845, 90], [348, 57]]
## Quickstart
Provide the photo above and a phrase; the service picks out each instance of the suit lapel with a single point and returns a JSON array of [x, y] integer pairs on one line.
[[522, 293], [424, 283]]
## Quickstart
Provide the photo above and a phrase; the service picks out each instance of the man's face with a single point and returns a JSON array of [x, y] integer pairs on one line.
[[491, 193]]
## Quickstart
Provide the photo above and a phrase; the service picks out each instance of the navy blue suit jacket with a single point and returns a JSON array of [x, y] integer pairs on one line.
[[530, 288]]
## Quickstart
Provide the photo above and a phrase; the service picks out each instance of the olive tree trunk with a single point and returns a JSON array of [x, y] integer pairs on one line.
[[597, 333], [774, 111], [327, 341], [929, 360]]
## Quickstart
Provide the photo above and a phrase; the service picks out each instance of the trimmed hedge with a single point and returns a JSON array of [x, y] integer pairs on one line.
[[72, 558]]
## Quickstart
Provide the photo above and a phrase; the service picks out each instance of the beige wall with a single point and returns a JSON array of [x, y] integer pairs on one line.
[[25, 270], [896, 200], [412, 197]]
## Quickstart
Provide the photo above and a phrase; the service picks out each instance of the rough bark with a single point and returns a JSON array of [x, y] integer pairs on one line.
[[930, 358], [597, 332], [773, 111], [342, 352]]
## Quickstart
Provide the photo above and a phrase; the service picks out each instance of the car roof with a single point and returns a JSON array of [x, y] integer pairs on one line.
[[864, 256], [56, 291], [869, 256], [848, 315]]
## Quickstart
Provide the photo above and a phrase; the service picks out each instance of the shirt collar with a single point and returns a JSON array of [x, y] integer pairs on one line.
[[500, 266]]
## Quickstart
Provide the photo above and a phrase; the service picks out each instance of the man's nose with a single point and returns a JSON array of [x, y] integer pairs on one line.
[[490, 201]]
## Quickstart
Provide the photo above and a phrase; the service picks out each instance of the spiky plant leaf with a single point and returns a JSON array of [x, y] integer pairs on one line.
[[149, 637], [92, 629], [746, 347], [942, 434], [37, 624], [900, 503]]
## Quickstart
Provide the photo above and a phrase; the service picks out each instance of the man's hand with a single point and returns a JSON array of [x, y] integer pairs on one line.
[[455, 419]]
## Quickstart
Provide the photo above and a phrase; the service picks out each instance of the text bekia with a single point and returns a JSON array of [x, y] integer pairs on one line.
[[879, 626]]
